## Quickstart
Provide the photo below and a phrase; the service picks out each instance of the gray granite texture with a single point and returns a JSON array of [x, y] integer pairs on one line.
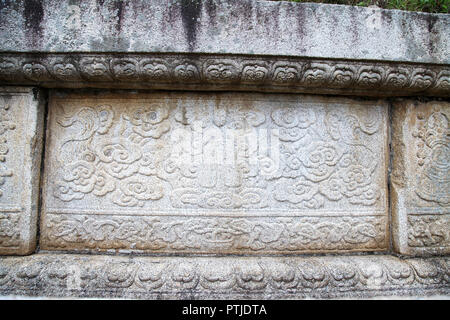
[[219, 72], [102, 192], [225, 27], [215, 173], [69, 275], [420, 192], [223, 45], [21, 139]]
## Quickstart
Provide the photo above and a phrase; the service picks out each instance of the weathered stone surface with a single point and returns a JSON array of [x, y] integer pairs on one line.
[[21, 126], [223, 173], [225, 26], [224, 45], [219, 72], [215, 173], [421, 178], [59, 275]]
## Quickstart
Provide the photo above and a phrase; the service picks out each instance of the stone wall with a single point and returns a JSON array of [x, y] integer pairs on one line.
[[198, 149]]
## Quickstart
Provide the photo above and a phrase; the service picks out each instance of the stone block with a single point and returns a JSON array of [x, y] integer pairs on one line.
[[21, 133], [140, 277], [215, 173], [271, 28], [421, 177]]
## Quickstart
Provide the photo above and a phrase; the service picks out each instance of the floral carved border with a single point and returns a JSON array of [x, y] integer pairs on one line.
[[221, 234], [214, 72], [429, 230], [9, 230], [170, 277]]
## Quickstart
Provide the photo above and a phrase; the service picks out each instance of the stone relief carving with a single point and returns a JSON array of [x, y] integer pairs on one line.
[[433, 180], [421, 198], [172, 156], [9, 223], [220, 71], [95, 68], [64, 70], [429, 231], [226, 277], [6, 124], [186, 71], [104, 161], [285, 73], [9, 230], [298, 74], [432, 134], [21, 121], [254, 72], [224, 234], [9, 68]]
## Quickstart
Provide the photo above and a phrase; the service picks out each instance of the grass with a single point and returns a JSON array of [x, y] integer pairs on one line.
[[432, 6]]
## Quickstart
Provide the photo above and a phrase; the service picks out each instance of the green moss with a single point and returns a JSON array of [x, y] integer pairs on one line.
[[433, 6]]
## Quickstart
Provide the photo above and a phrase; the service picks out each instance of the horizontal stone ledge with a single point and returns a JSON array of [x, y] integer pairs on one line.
[[225, 26], [63, 275], [224, 72]]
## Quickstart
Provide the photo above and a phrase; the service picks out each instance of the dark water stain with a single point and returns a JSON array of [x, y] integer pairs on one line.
[[431, 20], [433, 36], [190, 12], [7, 98], [354, 30], [386, 16], [118, 5], [34, 14], [301, 21], [275, 13]]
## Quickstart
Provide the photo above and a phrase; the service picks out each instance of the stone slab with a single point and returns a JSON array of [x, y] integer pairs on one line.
[[214, 173], [225, 26], [69, 275], [21, 136], [421, 177], [221, 72]]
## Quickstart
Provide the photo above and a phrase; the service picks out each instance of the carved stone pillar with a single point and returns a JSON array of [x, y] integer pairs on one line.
[[421, 177], [21, 129]]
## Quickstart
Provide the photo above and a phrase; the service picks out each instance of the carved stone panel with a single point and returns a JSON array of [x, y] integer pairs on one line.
[[421, 177], [214, 173], [268, 278], [21, 123]]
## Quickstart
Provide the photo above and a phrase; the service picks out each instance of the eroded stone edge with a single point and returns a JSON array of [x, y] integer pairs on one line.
[[398, 180], [400, 185], [62, 275], [32, 146], [225, 72]]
